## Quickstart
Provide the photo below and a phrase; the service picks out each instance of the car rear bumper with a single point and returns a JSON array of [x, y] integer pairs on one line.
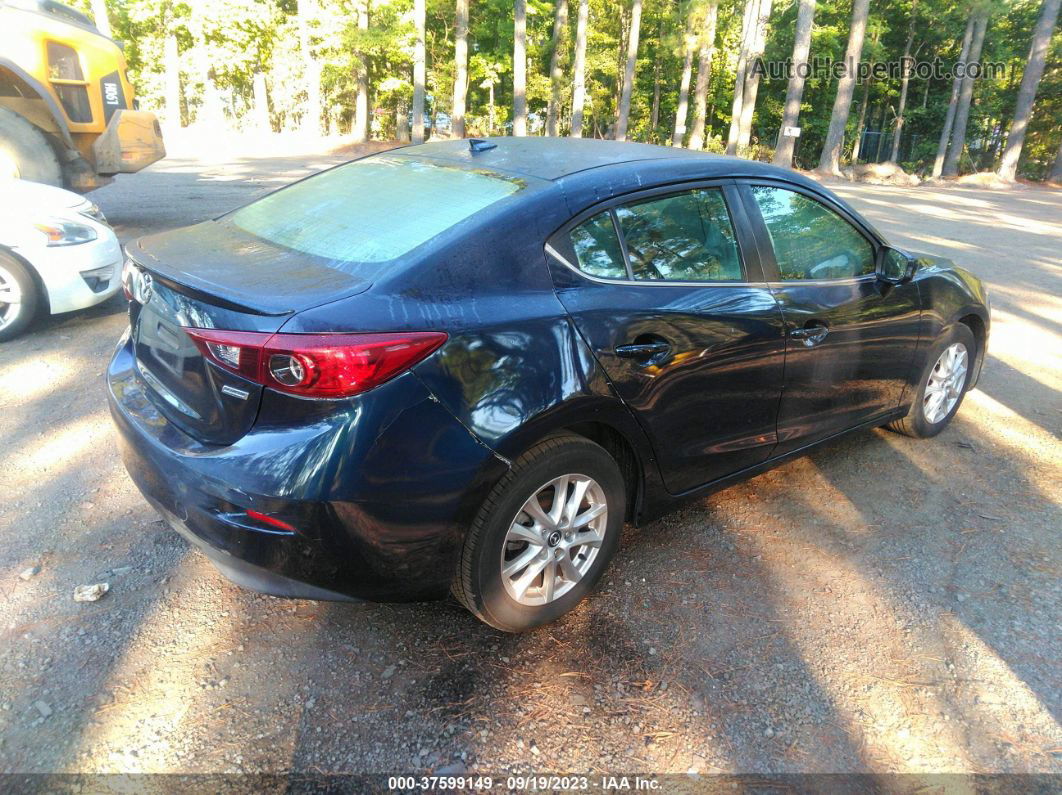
[[363, 531]]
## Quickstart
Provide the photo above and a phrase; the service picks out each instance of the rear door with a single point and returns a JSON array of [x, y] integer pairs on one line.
[[850, 336], [665, 286]]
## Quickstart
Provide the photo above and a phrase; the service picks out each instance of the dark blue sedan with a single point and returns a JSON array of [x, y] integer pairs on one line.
[[465, 365]]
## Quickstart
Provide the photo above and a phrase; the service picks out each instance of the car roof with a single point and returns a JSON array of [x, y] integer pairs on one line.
[[555, 158]]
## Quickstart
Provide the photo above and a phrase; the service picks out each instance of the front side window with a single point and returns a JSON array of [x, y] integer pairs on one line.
[[811, 241], [686, 237], [373, 210]]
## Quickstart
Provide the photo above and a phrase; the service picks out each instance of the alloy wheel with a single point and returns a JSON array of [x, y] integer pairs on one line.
[[10, 298], [945, 384], [553, 539]]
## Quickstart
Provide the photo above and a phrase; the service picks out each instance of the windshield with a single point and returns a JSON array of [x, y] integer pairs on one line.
[[372, 210]]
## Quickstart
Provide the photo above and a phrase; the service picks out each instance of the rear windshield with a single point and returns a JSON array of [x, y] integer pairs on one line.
[[372, 210]]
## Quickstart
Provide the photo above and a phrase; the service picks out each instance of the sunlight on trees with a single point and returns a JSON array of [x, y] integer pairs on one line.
[[699, 73]]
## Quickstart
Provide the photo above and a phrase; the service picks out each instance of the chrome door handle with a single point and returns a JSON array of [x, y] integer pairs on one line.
[[643, 351], [810, 335]]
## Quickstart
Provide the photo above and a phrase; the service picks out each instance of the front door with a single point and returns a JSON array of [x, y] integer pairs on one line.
[[850, 336], [666, 289]]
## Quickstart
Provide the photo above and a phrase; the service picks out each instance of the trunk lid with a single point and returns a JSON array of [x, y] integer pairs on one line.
[[218, 260], [207, 402], [210, 276]]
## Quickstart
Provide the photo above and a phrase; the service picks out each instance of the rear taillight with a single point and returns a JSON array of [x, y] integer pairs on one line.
[[316, 365]]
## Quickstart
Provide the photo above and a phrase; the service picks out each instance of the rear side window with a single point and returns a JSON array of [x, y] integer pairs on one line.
[[373, 210], [687, 237], [810, 240], [597, 248]]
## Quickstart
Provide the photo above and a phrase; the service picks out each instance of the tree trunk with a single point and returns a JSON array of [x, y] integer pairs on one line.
[[212, 112], [172, 60], [704, 72], [1030, 81], [628, 72], [1056, 169], [684, 88], [311, 120], [490, 110], [99, 14], [520, 67], [962, 110], [994, 143], [956, 86], [752, 75], [861, 125], [556, 66], [261, 103], [654, 114], [747, 24], [905, 81], [830, 161], [418, 72], [457, 124], [401, 122], [579, 69], [361, 103], [783, 151]]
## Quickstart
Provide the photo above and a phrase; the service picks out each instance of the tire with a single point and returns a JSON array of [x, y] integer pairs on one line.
[[921, 422], [15, 281], [25, 152], [480, 584]]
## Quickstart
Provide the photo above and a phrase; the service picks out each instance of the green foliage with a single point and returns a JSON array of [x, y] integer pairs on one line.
[[223, 43]]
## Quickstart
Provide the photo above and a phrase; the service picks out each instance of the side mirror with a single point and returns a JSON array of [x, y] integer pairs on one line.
[[896, 267]]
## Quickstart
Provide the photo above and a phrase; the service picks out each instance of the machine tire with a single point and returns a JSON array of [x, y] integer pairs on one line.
[[25, 152]]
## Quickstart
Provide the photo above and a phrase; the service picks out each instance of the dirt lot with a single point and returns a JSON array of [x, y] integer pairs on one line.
[[884, 605]]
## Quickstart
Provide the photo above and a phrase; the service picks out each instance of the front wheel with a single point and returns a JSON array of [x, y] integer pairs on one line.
[[19, 299], [944, 383], [544, 535]]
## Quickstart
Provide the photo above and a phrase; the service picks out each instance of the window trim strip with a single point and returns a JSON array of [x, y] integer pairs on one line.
[[622, 242], [560, 258]]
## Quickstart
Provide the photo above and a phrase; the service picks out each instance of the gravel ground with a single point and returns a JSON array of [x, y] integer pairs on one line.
[[884, 605]]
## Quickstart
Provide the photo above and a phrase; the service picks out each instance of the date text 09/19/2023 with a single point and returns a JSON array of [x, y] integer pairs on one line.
[[530, 783]]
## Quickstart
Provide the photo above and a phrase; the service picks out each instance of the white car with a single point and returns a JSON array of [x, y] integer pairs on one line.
[[57, 254]]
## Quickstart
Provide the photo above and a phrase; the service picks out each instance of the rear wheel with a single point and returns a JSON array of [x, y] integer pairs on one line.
[[19, 298], [944, 383], [25, 153], [544, 535]]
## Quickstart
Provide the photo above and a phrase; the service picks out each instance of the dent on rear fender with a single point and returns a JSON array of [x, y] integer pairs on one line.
[[396, 442], [421, 479], [496, 381]]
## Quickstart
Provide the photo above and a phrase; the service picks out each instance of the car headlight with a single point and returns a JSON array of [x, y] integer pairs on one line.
[[66, 233]]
